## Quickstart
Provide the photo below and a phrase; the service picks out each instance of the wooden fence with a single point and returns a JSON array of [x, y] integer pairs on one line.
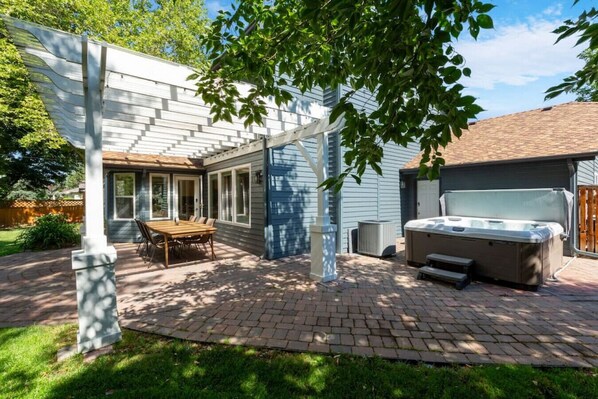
[[588, 212], [17, 213]]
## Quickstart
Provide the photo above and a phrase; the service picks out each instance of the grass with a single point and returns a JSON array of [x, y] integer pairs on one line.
[[145, 366], [7, 242]]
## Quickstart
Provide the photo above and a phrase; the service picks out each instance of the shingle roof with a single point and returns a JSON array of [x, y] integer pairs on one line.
[[558, 131], [112, 158]]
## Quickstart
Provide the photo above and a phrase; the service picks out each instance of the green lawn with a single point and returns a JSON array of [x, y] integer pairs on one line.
[[7, 241], [145, 366]]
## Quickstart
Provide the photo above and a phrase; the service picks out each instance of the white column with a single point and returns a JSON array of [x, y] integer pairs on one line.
[[323, 234], [94, 263]]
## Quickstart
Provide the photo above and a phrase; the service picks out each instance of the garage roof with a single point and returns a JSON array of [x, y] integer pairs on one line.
[[560, 131]]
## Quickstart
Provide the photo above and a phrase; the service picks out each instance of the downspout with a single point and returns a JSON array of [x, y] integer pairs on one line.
[[339, 197], [575, 224], [266, 190]]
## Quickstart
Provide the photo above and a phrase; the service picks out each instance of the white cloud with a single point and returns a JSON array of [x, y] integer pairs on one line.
[[554, 10], [518, 54]]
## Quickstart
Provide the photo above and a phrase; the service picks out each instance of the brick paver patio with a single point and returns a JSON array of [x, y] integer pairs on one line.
[[377, 307]]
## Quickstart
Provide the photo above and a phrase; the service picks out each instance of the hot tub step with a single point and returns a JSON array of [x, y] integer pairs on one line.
[[449, 268], [451, 260], [461, 280]]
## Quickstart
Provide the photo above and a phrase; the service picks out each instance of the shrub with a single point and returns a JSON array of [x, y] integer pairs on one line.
[[49, 232]]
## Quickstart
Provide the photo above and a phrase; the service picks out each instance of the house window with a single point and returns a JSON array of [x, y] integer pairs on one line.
[[213, 194], [230, 195], [124, 195], [242, 195], [160, 200]]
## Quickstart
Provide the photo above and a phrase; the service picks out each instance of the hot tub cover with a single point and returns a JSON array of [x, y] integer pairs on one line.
[[545, 204]]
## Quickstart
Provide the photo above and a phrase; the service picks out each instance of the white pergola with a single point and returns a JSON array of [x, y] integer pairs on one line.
[[103, 97]]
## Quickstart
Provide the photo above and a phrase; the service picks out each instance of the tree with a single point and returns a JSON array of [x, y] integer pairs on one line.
[[585, 81], [400, 50], [32, 154]]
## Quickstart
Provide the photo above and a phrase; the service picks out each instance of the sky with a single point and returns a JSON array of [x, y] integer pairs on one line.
[[514, 63]]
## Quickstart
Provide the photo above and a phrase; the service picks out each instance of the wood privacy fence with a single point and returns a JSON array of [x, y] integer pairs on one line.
[[16, 213], [588, 212]]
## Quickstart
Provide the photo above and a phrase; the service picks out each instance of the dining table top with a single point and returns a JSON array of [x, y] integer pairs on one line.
[[183, 228]]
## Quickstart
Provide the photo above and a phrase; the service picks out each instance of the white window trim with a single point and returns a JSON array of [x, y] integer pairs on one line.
[[233, 171], [168, 195], [134, 196], [175, 193]]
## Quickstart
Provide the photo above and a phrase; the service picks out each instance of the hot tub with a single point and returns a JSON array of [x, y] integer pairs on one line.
[[520, 251]]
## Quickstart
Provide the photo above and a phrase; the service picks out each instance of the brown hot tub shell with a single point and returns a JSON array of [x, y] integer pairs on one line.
[[524, 263]]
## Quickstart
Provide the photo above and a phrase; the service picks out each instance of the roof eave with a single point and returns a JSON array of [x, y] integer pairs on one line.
[[586, 156]]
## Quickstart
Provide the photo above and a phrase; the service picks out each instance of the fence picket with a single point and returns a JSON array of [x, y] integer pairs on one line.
[[588, 213]]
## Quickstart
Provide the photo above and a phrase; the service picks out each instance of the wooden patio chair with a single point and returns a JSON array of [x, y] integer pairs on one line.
[[202, 220], [192, 218]]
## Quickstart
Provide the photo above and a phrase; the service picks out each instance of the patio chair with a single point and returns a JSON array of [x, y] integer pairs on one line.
[[202, 220], [159, 243], [143, 236], [200, 239], [192, 218]]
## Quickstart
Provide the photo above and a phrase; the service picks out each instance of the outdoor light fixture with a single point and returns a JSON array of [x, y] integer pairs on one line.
[[257, 177]]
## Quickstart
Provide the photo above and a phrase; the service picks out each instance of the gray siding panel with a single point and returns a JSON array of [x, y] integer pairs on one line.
[[250, 239], [292, 200], [378, 197], [586, 172], [126, 230]]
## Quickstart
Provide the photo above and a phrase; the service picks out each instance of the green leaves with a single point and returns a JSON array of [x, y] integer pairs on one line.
[[585, 81], [394, 60], [484, 21], [32, 153]]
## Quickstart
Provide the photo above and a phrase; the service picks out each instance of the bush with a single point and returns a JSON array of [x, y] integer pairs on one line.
[[50, 232]]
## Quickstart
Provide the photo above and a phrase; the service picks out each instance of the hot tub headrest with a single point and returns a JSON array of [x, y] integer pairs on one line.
[[545, 204]]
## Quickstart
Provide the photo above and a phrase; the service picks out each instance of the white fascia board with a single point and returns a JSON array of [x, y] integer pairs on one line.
[[305, 132], [127, 62], [301, 133], [69, 70], [61, 44], [237, 152], [46, 75]]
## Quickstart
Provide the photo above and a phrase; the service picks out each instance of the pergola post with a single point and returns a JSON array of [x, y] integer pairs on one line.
[[323, 234], [94, 263]]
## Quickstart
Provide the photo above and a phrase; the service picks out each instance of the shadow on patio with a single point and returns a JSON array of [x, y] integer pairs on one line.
[[376, 307]]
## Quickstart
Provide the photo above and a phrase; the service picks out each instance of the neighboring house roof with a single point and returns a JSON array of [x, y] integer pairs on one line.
[[122, 159], [560, 131]]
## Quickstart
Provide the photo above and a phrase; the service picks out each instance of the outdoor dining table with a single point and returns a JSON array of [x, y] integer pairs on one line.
[[171, 230]]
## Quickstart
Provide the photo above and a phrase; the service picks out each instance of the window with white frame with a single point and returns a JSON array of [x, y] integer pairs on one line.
[[229, 195], [124, 195], [160, 200]]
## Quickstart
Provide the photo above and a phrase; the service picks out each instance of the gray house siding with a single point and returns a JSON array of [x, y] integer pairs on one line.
[[250, 239], [586, 172], [292, 205], [377, 197], [126, 230]]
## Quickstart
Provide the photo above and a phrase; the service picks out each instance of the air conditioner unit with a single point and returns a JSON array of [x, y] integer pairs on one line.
[[377, 238]]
